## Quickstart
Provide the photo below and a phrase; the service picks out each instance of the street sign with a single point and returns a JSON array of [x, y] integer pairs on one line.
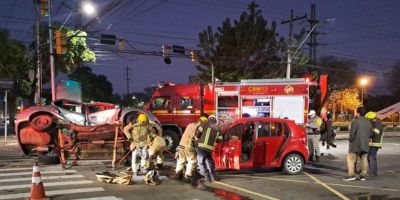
[[6, 84]]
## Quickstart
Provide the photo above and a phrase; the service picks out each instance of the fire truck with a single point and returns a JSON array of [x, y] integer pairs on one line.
[[178, 105]]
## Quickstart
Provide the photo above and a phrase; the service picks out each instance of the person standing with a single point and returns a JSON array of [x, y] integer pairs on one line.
[[208, 135], [140, 134], [375, 143], [360, 131], [313, 135], [186, 152]]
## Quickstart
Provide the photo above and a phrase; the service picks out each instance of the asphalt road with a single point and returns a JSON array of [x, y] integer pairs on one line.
[[322, 181]]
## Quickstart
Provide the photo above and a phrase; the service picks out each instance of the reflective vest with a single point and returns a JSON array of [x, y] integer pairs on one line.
[[208, 135], [315, 123], [377, 134]]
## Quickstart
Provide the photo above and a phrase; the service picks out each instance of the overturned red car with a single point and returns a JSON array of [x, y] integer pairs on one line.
[[87, 129], [262, 142]]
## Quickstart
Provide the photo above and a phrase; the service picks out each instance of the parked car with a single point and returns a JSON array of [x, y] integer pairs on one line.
[[262, 142], [86, 127]]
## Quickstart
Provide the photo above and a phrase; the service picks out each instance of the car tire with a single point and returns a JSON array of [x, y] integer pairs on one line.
[[171, 140], [41, 123], [293, 164], [49, 159]]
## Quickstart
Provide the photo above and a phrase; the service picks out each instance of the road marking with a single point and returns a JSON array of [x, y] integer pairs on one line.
[[327, 187], [245, 190], [44, 178], [44, 172], [365, 187], [54, 192], [101, 198], [391, 171], [275, 179], [28, 168], [9, 187]]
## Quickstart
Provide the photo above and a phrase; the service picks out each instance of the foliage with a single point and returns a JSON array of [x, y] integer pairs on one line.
[[394, 81], [244, 49], [345, 100], [94, 87]]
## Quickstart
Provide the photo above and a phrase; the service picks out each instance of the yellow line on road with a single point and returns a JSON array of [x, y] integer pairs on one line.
[[327, 187], [245, 190], [365, 187]]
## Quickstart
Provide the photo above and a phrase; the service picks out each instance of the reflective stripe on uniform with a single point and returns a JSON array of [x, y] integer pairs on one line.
[[376, 131]]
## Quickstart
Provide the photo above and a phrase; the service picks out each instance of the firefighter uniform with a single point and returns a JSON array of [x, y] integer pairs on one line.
[[140, 134], [208, 135], [156, 150], [313, 134], [375, 142], [186, 151]]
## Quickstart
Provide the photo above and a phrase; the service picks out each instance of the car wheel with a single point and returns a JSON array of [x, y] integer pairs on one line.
[[293, 164], [171, 140], [41, 123], [49, 159]]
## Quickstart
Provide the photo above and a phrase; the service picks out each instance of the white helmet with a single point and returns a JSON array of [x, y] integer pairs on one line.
[[312, 113]]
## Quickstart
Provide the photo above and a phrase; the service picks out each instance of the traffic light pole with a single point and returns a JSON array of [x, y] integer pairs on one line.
[[52, 72]]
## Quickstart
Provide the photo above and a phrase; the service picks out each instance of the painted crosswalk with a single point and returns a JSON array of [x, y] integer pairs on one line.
[[15, 183]]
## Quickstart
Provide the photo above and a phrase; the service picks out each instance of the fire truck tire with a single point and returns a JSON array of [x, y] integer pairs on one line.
[[171, 140], [49, 159], [41, 123], [293, 164]]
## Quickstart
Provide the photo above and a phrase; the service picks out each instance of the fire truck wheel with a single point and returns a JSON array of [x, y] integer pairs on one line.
[[41, 123], [171, 140], [293, 164]]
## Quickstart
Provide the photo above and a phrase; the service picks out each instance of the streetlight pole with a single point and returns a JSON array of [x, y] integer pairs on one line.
[[363, 83], [290, 57]]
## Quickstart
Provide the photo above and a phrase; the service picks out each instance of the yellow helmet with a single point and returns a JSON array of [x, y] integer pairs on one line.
[[370, 115], [203, 119], [142, 118]]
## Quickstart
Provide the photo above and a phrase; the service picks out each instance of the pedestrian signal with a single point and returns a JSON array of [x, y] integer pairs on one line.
[[61, 42]]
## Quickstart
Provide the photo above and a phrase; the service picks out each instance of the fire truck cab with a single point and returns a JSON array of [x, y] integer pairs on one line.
[[178, 105]]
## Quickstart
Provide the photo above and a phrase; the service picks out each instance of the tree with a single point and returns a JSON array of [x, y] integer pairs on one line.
[[345, 100], [94, 87], [394, 81], [248, 48]]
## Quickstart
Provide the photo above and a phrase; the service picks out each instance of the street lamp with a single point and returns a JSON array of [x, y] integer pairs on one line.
[[363, 83], [290, 56], [88, 8]]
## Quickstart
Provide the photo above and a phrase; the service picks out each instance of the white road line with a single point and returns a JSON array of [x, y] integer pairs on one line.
[[54, 192], [101, 198], [44, 172], [43, 177], [246, 190], [327, 187], [29, 168], [10, 187]]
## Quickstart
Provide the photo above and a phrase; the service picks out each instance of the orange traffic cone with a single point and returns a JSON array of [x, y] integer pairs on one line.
[[37, 189]]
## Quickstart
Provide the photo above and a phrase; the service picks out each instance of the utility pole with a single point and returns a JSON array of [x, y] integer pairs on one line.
[[127, 78], [289, 56], [52, 70], [38, 92], [313, 36]]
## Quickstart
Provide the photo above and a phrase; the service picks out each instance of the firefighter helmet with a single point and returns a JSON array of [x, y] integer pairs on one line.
[[142, 118], [370, 115], [203, 119]]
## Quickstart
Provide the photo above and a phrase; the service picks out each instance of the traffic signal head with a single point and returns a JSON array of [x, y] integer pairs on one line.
[[44, 7], [61, 42], [165, 52], [194, 55]]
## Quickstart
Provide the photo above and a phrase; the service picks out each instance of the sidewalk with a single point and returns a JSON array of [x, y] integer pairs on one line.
[[344, 135]]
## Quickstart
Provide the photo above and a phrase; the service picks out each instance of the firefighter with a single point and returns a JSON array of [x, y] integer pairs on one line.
[[375, 143], [313, 135], [140, 134], [208, 135], [186, 152], [156, 149]]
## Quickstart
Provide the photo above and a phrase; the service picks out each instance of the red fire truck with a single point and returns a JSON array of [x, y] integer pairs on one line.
[[178, 105]]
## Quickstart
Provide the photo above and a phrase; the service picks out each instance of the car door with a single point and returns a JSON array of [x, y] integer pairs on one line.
[[258, 154], [227, 153], [270, 141]]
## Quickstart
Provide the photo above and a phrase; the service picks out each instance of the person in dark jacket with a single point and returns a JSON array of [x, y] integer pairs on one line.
[[360, 131], [375, 143]]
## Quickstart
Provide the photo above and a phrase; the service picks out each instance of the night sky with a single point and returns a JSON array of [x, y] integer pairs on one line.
[[364, 30]]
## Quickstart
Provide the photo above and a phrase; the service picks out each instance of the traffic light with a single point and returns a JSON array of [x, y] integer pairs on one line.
[[121, 44], [61, 42], [194, 55], [165, 52], [44, 8]]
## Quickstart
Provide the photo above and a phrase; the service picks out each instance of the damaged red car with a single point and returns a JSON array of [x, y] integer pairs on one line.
[[87, 129], [262, 142]]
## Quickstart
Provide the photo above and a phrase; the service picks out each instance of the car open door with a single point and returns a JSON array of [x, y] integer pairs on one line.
[[227, 154]]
